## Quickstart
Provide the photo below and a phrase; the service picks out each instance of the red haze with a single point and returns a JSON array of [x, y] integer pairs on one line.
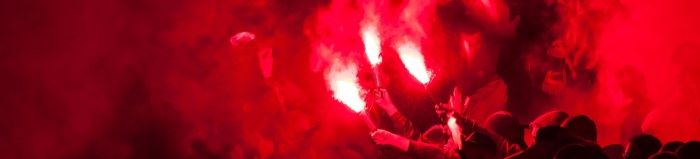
[[160, 79]]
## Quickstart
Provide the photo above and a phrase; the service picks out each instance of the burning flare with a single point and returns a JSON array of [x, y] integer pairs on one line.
[[342, 78], [413, 60], [373, 47]]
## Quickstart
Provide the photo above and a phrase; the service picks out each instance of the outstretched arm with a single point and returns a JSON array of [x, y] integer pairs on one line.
[[401, 124], [413, 148]]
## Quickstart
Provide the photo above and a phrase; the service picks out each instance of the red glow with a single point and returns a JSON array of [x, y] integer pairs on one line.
[[151, 78], [467, 46], [490, 8]]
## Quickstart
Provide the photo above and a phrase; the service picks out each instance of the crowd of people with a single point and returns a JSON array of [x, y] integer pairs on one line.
[[556, 135], [510, 74]]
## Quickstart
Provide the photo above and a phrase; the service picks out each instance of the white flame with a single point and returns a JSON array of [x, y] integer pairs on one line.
[[370, 38], [342, 78], [413, 61]]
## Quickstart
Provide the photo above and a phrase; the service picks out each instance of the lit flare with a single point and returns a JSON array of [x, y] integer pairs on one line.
[[370, 38], [413, 61], [342, 78]]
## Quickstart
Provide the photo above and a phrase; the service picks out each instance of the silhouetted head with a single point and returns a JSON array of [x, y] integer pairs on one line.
[[614, 151], [550, 133], [641, 147], [664, 155], [478, 145], [507, 126], [574, 151], [581, 126], [671, 146], [552, 118], [689, 150]]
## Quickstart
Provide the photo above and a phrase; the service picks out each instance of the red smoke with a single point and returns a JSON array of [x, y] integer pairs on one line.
[[160, 79]]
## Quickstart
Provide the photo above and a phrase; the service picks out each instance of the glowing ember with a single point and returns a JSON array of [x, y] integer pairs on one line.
[[413, 60], [370, 38], [342, 79]]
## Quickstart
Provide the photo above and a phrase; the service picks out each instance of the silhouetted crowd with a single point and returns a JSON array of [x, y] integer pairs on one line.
[[556, 135], [524, 63]]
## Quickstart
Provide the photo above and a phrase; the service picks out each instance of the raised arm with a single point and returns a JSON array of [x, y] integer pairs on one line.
[[401, 124]]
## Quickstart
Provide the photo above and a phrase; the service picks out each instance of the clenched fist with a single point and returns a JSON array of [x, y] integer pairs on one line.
[[381, 97]]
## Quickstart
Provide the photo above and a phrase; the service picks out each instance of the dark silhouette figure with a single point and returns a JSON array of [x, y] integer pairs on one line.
[[614, 151], [671, 146], [642, 147], [478, 145], [689, 150], [549, 140], [582, 126], [574, 151], [506, 125]]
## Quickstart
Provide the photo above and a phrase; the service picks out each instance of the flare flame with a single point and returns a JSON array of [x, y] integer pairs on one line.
[[413, 61], [370, 38], [342, 78]]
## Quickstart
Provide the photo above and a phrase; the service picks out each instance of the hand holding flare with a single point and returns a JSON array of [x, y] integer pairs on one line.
[[381, 98]]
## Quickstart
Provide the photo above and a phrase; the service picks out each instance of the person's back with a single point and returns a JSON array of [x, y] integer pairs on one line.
[[642, 147], [506, 125], [478, 145], [547, 142], [574, 151], [690, 150], [503, 146]]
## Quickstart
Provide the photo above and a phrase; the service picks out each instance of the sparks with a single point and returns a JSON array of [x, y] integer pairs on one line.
[[413, 61]]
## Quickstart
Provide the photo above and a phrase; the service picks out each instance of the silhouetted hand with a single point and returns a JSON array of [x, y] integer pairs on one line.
[[443, 111], [381, 97], [383, 137], [455, 106]]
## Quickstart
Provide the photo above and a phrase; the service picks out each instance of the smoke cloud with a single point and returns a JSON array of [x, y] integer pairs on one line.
[[160, 79]]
